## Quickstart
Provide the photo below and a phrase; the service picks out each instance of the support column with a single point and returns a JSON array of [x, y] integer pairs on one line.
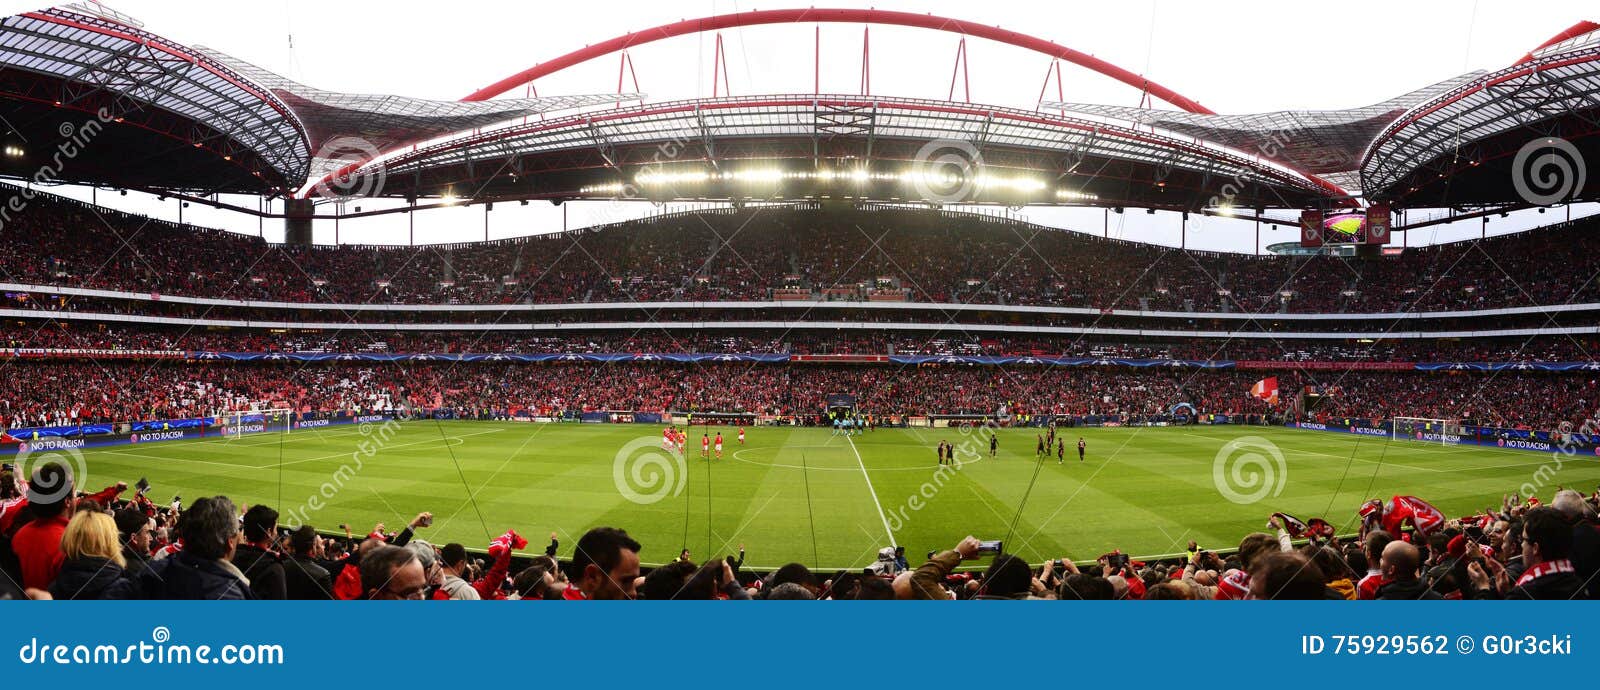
[[297, 224]]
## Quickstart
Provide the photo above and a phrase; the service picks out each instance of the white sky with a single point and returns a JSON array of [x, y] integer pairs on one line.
[[1231, 56]]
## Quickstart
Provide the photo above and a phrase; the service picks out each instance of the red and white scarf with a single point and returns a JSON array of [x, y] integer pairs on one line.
[[1545, 568]]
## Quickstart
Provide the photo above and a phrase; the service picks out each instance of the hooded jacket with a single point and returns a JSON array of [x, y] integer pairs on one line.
[[91, 578]]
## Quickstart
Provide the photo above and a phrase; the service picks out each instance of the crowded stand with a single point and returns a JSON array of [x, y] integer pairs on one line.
[[65, 374], [62, 542], [781, 253], [1269, 336], [40, 303], [65, 393], [40, 337]]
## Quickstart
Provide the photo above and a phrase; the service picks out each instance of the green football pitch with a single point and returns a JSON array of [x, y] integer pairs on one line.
[[792, 494]]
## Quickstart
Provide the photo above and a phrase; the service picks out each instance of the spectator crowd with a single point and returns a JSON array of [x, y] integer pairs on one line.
[[64, 393], [922, 256], [57, 542]]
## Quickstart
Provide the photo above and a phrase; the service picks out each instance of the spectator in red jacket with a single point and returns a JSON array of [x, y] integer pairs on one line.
[[50, 502], [1376, 542]]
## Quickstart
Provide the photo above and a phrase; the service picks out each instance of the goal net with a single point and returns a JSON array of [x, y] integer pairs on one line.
[[240, 423], [1431, 430]]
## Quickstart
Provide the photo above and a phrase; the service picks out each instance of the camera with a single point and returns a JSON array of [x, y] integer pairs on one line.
[[991, 546]]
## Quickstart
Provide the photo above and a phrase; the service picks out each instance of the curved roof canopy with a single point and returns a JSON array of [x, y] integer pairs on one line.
[[819, 144], [140, 111], [180, 117], [333, 121], [85, 60], [1459, 147], [1328, 143]]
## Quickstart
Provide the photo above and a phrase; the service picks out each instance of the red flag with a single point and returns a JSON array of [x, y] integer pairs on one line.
[[1311, 229], [1266, 389], [1298, 529], [1392, 516], [1320, 527], [1291, 524]]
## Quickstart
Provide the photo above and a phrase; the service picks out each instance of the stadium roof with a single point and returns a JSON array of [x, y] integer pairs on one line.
[[87, 60], [164, 116], [603, 154], [1461, 146], [385, 123], [178, 117], [1329, 143]]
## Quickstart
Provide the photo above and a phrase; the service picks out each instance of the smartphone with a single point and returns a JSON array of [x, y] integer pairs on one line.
[[991, 546]]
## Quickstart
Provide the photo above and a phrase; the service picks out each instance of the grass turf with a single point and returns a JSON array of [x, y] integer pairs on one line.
[[806, 495]]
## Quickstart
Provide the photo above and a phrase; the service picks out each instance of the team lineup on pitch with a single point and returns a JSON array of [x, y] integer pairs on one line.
[[808, 495]]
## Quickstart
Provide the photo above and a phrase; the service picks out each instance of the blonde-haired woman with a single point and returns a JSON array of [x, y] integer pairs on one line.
[[93, 565]]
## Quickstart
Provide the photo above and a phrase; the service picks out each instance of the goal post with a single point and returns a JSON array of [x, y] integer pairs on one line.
[[1427, 429], [241, 423]]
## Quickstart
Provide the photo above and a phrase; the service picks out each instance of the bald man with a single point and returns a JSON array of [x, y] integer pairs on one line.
[[1585, 537], [1399, 565]]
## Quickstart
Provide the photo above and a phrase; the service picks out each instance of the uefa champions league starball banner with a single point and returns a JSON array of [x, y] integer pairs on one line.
[[603, 357], [1569, 443], [36, 439]]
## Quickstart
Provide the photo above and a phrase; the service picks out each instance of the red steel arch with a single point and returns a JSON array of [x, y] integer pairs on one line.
[[1578, 29], [850, 16]]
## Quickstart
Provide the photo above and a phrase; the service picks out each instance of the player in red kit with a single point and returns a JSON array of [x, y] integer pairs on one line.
[[718, 444], [705, 446], [741, 435]]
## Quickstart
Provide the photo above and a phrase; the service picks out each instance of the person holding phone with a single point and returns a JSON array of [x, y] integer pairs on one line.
[[927, 581]]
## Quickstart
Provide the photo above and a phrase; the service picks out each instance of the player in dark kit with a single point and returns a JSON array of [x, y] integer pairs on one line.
[[994, 445], [1061, 450], [1039, 451], [1081, 446]]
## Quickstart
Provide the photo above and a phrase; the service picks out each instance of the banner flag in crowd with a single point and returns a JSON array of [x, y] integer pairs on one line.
[[1266, 389]]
